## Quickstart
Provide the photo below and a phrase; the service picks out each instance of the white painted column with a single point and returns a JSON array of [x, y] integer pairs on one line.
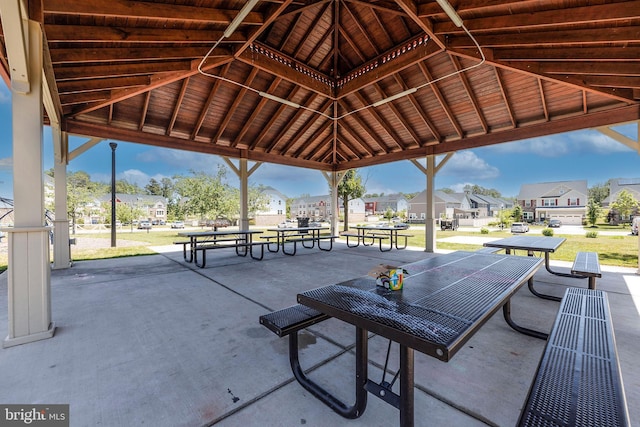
[[430, 223], [61, 251], [244, 194], [29, 271]]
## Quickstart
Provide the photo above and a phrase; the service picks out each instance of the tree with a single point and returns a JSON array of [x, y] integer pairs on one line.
[[153, 188], [624, 204], [476, 189], [388, 214], [80, 191], [167, 188], [516, 212], [599, 192], [593, 211], [351, 187], [205, 195], [125, 187]]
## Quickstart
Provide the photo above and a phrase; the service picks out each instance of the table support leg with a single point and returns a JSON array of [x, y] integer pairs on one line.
[[506, 311], [406, 387], [557, 273], [362, 360]]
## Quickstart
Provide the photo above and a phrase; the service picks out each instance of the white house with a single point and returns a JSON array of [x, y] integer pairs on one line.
[[563, 200], [276, 209]]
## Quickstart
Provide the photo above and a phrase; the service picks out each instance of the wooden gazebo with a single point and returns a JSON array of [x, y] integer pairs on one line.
[[322, 84]]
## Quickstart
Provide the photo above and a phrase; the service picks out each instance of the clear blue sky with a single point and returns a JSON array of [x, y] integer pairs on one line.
[[571, 156]]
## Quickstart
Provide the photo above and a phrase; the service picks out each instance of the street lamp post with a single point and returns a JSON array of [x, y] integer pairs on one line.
[[113, 146]]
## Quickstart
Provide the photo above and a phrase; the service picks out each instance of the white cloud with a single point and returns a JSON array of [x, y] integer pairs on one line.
[[467, 165], [6, 164], [180, 159], [580, 142]]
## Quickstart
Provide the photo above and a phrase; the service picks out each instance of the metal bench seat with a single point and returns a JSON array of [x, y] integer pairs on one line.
[[587, 264], [578, 381], [291, 319]]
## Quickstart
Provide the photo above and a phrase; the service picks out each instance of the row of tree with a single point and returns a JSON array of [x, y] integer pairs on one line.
[[198, 194]]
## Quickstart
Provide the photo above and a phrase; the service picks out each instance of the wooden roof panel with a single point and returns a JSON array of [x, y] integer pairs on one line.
[[127, 69]]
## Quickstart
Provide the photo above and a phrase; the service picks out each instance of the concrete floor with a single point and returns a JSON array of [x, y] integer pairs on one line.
[[151, 340]]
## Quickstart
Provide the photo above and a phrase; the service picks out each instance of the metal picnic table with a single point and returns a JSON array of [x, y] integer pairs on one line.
[[445, 300]]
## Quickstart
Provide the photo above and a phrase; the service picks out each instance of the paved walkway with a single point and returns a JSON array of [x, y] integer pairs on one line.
[[150, 340]]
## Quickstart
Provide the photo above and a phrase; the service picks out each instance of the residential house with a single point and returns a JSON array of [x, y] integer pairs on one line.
[[149, 208], [616, 186], [563, 200], [276, 209], [444, 205], [469, 209], [318, 208], [488, 206], [379, 205]]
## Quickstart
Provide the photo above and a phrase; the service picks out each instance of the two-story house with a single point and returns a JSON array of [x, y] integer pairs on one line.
[[276, 210], [616, 186], [379, 205], [563, 200], [444, 205], [144, 206], [318, 208]]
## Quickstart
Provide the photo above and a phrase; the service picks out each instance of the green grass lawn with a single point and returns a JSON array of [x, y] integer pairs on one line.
[[613, 250]]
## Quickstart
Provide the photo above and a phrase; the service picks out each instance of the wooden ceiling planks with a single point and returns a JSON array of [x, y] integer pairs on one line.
[[129, 68]]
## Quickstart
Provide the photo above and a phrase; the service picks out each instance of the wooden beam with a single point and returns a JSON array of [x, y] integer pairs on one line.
[[234, 106], [135, 35], [157, 81], [255, 112], [207, 103], [381, 67], [177, 105], [440, 97], [149, 11], [524, 20], [280, 69], [83, 71], [121, 54]]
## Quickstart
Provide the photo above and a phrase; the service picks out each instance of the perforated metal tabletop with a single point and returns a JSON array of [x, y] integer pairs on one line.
[[445, 299]]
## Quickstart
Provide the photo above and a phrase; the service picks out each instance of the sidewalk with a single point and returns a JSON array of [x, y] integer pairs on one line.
[[150, 340]]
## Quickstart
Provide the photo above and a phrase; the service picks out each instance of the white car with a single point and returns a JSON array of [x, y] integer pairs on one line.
[[290, 223], [177, 224], [635, 224], [519, 227], [144, 225]]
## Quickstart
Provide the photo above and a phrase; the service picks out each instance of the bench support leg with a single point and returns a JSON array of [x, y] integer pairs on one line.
[[256, 257], [292, 253], [406, 240], [326, 249], [353, 246], [351, 412], [506, 311]]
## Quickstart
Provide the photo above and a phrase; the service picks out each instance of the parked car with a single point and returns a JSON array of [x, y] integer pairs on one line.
[[635, 224], [519, 227], [177, 224], [290, 223], [555, 223], [144, 225]]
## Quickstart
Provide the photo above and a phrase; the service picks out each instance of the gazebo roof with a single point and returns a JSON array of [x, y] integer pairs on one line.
[[308, 83]]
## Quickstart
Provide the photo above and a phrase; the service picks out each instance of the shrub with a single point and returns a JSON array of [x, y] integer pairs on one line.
[[547, 232], [591, 234], [484, 230]]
